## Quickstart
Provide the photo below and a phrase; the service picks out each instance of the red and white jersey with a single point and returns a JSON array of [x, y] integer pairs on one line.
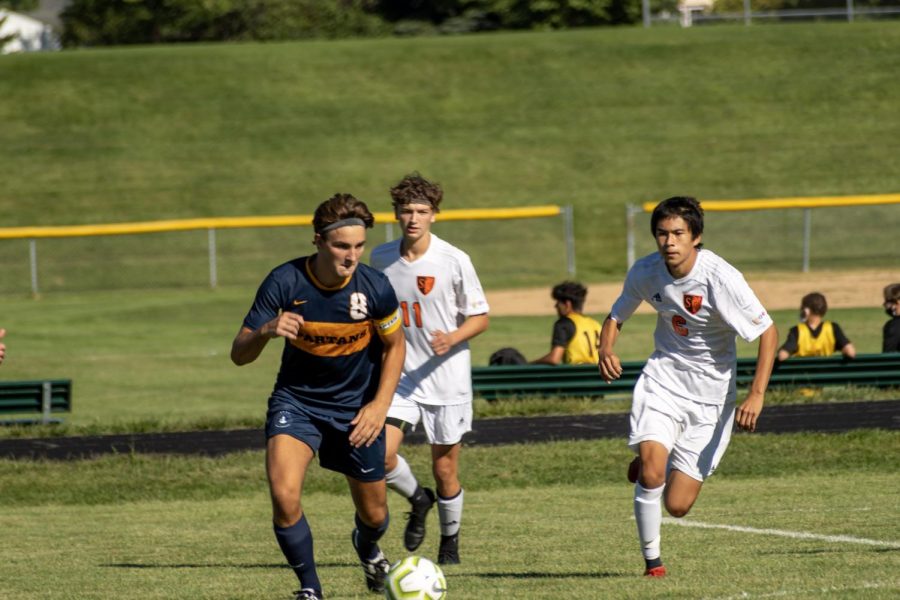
[[698, 318], [437, 292]]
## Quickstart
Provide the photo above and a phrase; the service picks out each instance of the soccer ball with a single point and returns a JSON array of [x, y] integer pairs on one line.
[[415, 578]]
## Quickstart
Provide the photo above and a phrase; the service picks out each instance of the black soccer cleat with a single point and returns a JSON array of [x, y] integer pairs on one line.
[[415, 524], [448, 553], [376, 570], [634, 470]]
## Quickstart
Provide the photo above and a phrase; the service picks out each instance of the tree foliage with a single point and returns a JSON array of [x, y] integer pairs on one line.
[[19, 5], [102, 22]]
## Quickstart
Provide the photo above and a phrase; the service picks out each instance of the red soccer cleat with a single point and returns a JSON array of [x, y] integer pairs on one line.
[[659, 571], [634, 469]]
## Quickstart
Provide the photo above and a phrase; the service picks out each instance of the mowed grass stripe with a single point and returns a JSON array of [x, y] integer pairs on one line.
[[547, 542]]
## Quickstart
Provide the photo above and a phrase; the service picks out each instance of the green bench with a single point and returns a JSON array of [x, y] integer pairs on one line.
[[43, 397], [866, 370]]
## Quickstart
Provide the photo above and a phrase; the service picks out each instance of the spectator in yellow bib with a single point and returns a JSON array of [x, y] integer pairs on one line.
[[814, 336], [576, 337]]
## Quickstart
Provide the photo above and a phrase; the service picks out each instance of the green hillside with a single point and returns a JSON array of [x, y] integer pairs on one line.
[[593, 118]]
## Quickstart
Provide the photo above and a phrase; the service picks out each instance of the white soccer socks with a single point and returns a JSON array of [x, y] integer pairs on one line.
[[648, 514], [401, 479], [450, 512]]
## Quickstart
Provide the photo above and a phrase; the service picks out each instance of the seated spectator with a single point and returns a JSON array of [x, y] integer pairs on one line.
[[890, 341], [575, 337], [815, 336]]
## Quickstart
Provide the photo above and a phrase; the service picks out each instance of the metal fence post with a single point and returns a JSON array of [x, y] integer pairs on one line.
[[807, 229], [850, 11], [46, 402], [213, 271], [645, 9], [32, 259], [747, 17], [568, 213], [388, 232], [630, 210]]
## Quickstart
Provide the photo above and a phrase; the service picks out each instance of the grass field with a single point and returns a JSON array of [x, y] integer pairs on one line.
[[593, 118], [160, 359], [541, 521]]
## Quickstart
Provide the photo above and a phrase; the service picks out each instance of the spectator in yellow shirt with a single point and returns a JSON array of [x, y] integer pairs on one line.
[[814, 336], [575, 336]]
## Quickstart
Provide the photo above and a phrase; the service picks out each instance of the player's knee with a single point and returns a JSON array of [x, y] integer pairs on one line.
[[652, 477], [286, 514], [374, 516], [390, 461], [678, 508], [444, 472], [286, 499]]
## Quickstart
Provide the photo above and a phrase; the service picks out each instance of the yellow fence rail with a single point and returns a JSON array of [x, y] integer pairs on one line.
[[805, 203], [783, 203], [214, 223], [63, 231]]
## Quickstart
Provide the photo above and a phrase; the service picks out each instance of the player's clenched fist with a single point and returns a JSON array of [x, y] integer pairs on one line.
[[286, 325]]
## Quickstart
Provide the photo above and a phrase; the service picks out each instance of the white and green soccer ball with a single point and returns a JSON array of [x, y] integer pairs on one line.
[[415, 578]]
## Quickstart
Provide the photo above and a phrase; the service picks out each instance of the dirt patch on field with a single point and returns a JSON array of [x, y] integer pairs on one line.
[[855, 289]]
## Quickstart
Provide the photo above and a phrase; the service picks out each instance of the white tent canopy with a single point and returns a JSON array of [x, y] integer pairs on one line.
[[29, 35]]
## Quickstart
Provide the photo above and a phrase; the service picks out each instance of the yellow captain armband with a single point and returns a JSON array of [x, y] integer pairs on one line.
[[389, 324]]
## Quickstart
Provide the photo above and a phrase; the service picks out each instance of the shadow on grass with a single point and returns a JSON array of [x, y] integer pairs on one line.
[[533, 575], [217, 565]]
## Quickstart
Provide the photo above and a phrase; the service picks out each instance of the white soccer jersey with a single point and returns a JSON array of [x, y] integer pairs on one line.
[[436, 292], [698, 317]]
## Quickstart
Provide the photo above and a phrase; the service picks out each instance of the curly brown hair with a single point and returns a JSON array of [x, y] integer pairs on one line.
[[572, 291], [415, 188], [340, 207]]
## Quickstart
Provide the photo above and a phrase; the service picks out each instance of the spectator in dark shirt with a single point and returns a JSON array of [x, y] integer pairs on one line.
[[814, 336], [891, 334]]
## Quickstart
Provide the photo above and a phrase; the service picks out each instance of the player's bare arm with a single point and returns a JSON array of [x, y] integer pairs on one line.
[[369, 421], [442, 341], [749, 410], [554, 357], [609, 364], [2, 346], [249, 343]]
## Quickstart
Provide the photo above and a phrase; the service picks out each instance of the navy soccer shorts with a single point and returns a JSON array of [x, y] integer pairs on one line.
[[329, 441]]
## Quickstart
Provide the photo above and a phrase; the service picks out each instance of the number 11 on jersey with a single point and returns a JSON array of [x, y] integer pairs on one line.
[[417, 313]]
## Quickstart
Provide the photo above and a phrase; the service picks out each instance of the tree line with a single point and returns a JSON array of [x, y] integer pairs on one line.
[[107, 22]]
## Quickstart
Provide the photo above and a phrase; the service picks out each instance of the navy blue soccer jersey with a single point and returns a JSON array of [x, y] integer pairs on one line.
[[334, 365]]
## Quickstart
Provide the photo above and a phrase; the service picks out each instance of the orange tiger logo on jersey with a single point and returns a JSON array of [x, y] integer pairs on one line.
[[425, 283], [692, 303]]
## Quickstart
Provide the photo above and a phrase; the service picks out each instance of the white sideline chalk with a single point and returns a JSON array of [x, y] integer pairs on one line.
[[800, 535]]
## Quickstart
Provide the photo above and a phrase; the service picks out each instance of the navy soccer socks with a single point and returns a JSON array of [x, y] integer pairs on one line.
[[296, 543], [366, 538]]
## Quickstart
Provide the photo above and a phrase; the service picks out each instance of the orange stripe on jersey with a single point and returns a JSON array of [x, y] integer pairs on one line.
[[389, 324], [334, 339]]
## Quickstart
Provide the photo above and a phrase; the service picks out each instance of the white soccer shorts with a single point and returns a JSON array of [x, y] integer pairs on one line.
[[443, 425], [696, 434]]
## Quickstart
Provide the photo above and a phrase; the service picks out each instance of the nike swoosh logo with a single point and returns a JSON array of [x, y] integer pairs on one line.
[[299, 302], [367, 470]]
